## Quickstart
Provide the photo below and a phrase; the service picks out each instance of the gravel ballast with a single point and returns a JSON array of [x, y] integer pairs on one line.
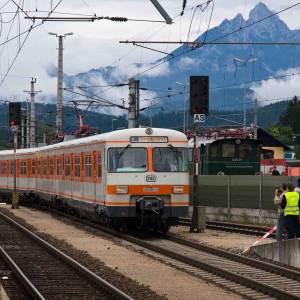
[[134, 273]]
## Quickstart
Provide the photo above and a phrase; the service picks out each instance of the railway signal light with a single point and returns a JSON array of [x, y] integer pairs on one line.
[[199, 95], [14, 114]]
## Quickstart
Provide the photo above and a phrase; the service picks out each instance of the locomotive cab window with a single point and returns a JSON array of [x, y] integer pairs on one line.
[[228, 150], [245, 150], [127, 160], [213, 149], [170, 159]]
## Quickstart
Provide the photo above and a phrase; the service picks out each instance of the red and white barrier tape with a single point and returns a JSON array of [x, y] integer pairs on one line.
[[263, 237]]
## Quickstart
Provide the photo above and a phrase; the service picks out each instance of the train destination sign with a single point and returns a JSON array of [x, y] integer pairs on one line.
[[149, 139]]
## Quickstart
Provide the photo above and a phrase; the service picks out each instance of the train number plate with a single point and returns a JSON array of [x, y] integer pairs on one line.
[[151, 189], [150, 178]]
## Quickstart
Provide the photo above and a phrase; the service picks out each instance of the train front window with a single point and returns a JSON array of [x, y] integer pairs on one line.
[[170, 160], [228, 150], [245, 150], [127, 160]]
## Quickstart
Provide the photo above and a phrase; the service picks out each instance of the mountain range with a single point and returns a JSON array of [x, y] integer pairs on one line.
[[217, 61]]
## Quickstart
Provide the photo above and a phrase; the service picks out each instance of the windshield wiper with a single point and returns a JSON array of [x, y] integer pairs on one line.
[[176, 151], [123, 151]]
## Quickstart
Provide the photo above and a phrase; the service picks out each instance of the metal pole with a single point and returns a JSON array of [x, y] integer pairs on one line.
[[22, 130], [32, 118], [255, 119], [195, 218], [15, 202], [228, 199], [132, 99], [44, 138], [184, 109], [151, 113], [260, 196], [59, 115], [245, 95], [27, 127]]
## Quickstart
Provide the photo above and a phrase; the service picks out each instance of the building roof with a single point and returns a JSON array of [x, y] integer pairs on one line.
[[269, 139]]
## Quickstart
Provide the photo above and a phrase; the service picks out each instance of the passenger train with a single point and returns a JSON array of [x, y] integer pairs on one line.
[[137, 177]]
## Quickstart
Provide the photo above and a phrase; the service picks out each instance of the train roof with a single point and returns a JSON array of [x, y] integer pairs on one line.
[[204, 140], [119, 135]]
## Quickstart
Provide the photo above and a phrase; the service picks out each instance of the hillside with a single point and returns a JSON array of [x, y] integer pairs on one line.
[[46, 118]]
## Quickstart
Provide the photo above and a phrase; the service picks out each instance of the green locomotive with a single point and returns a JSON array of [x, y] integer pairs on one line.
[[228, 155]]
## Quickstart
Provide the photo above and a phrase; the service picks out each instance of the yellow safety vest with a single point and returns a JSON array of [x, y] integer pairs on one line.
[[292, 204]]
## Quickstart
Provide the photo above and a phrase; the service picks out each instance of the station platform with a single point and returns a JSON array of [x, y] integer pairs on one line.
[[286, 252]]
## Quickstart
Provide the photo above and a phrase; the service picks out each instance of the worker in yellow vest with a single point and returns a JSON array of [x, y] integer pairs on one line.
[[290, 205]]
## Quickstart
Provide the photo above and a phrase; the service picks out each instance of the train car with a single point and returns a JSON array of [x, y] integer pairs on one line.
[[228, 153], [137, 177]]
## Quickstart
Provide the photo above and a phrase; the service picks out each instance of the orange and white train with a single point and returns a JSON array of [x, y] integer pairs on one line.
[[133, 176]]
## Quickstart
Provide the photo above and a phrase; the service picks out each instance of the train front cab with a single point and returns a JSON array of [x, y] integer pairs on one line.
[[148, 183], [236, 156]]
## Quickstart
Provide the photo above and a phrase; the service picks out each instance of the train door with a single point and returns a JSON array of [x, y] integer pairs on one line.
[[98, 161], [103, 169]]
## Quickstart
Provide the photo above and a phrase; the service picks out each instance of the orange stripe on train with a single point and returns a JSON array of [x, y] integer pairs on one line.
[[140, 189]]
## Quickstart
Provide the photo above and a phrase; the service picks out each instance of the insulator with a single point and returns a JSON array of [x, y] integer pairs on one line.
[[119, 19]]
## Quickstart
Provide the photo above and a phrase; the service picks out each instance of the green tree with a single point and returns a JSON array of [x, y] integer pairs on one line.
[[282, 132], [291, 116]]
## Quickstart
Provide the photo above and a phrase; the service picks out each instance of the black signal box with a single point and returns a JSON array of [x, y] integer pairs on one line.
[[14, 114], [199, 95]]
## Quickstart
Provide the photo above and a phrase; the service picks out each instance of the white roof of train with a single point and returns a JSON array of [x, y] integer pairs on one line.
[[119, 135]]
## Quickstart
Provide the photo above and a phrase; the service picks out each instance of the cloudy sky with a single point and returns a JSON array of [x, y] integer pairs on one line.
[[96, 44]]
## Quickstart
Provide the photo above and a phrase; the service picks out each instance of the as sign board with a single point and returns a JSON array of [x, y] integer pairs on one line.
[[199, 118]]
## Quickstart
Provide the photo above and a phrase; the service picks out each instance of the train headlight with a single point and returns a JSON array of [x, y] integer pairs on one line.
[[178, 189], [121, 189]]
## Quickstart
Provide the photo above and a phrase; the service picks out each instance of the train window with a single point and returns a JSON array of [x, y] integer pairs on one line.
[[23, 167], [170, 160], [257, 152], [58, 166], [77, 166], [45, 166], [51, 169], [228, 150], [99, 166], [88, 166], [127, 160], [3, 168], [213, 149], [39, 167], [67, 166], [12, 166], [245, 150], [33, 167]]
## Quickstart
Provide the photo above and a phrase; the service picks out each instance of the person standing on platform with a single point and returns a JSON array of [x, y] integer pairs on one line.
[[280, 220], [275, 172], [290, 205]]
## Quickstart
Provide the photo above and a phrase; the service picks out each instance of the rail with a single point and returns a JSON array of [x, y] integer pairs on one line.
[[101, 283]]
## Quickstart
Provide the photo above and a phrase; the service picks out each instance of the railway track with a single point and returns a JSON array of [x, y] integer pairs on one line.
[[251, 278], [230, 227], [44, 272]]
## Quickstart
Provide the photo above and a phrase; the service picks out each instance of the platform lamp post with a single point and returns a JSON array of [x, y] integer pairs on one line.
[[112, 124], [245, 65], [184, 103]]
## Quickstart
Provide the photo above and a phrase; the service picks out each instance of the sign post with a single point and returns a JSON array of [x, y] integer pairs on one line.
[[15, 201], [195, 224]]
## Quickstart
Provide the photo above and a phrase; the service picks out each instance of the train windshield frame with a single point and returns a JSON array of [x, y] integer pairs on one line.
[[127, 160], [170, 159]]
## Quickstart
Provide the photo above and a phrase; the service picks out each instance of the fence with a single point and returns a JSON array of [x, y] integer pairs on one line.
[[236, 191]]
